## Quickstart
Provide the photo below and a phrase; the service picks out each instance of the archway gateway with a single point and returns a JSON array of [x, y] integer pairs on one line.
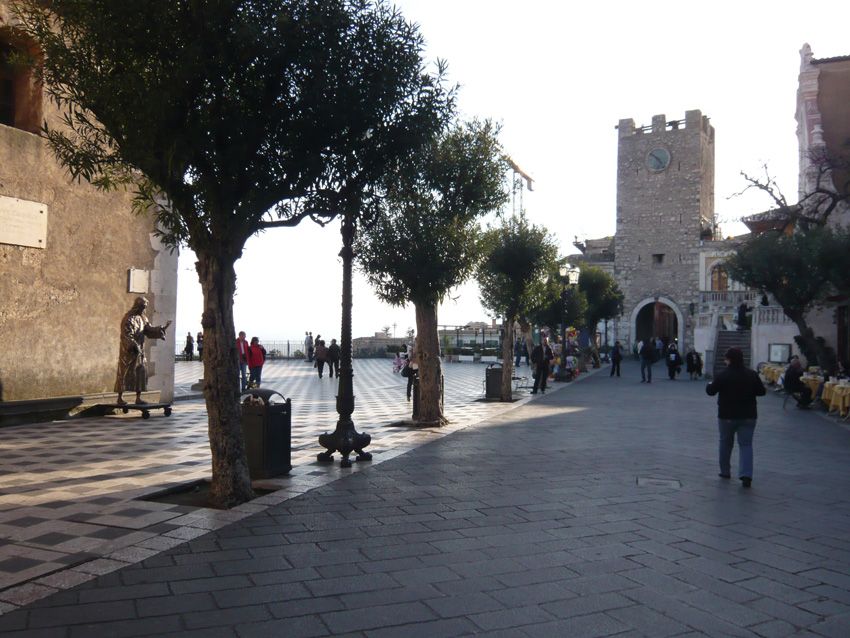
[[657, 320]]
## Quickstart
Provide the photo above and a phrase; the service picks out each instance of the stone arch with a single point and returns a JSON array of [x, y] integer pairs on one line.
[[680, 319]]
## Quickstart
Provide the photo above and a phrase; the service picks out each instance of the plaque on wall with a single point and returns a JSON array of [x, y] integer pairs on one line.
[[23, 223], [138, 281]]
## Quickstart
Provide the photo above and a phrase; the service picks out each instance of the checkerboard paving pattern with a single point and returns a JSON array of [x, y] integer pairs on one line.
[[68, 488]]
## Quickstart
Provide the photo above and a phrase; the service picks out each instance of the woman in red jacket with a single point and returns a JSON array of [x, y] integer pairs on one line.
[[256, 359]]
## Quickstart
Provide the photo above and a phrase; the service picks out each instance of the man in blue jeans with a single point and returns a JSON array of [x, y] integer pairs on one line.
[[737, 388]]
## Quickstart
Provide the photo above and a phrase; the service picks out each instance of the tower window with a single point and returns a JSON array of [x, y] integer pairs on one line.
[[719, 279], [658, 258]]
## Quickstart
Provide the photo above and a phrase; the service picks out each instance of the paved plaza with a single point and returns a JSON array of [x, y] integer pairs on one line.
[[68, 489], [595, 510]]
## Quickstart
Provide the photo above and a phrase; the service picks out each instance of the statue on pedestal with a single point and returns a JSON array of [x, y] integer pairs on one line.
[[132, 369]]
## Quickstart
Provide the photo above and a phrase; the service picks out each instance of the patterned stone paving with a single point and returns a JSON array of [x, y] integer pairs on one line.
[[67, 488]]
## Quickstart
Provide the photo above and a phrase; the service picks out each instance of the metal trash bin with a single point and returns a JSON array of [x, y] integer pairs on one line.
[[493, 381], [267, 429]]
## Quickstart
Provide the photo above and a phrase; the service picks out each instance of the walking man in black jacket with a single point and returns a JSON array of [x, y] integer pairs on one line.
[[737, 387]]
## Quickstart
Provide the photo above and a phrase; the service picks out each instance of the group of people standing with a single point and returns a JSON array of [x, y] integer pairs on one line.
[[189, 349], [319, 354], [252, 357], [653, 350]]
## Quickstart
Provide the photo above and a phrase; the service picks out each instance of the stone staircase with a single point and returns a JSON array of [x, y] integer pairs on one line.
[[731, 339]]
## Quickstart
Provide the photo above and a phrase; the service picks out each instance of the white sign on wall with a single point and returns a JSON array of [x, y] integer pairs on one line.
[[23, 223], [138, 281]]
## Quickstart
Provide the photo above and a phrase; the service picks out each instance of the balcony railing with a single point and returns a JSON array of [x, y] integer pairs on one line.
[[729, 297]]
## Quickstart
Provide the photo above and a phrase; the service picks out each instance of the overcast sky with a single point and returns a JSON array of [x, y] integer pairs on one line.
[[559, 76]]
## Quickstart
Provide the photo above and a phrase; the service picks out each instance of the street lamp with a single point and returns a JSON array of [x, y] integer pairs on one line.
[[345, 438], [569, 279]]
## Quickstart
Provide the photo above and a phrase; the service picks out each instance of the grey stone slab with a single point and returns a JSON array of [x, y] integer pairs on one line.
[[590, 626], [591, 604], [83, 613], [378, 617], [209, 584], [299, 627], [463, 605], [259, 594], [165, 605], [140, 627], [513, 617], [226, 617], [647, 621], [442, 628]]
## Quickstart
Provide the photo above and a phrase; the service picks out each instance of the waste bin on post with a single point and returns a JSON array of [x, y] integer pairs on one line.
[[267, 428], [493, 381]]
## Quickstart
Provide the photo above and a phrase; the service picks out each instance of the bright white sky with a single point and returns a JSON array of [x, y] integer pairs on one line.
[[559, 76]]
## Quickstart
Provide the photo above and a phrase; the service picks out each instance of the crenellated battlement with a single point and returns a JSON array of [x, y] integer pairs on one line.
[[693, 119]]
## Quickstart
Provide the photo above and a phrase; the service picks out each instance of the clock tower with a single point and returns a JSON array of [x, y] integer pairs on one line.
[[665, 210]]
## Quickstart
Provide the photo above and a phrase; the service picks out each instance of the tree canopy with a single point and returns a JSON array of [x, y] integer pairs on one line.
[[228, 117], [424, 242], [512, 275]]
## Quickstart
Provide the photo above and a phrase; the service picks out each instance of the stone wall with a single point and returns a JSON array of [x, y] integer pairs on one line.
[[662, 212], [61, 304]]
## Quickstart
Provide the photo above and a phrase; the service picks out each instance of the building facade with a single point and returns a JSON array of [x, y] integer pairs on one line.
[[72, 259], [665, 213]]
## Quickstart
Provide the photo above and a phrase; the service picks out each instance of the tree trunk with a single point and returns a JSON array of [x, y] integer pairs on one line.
[[814, 349], [231, 482], [507, 360], [430, 370]]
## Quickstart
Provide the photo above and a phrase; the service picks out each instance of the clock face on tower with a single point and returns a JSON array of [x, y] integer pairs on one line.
[[658, 159]]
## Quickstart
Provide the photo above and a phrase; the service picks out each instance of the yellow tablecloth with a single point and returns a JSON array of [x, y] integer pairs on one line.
[[772, 372], [813, 383], [839, 399]]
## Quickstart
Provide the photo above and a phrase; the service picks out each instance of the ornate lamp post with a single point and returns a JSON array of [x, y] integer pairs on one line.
[[345, 438], [569, 279]]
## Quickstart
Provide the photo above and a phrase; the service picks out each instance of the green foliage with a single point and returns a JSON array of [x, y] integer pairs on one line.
[[790, 267], [513, 273], [227, 110], [604, 298], [424, 241]]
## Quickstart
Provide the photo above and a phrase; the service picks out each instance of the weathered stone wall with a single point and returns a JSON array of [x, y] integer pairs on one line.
[[661, 212], [61, 305]]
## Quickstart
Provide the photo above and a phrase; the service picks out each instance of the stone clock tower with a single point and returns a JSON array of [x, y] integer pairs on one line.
[[665, 209]]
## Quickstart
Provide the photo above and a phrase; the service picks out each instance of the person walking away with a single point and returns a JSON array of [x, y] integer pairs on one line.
[[242, 354], [647, 356], [674, 361], [616, 357], [189, 350], [541, 357], [256, 359], [794, 383], [518, 352], [333, 359], [321, 353], [199, 342], [737, 388], [691, 363]]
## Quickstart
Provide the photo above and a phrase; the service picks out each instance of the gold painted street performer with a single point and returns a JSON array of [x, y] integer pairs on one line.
[[132, 371]]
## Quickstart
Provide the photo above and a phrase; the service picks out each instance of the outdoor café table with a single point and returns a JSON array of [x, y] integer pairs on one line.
[[826, 395], [813, 383], [772, 373], [840, 399]]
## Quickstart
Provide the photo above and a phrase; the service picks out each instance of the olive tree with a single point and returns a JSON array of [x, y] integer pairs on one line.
[[512, 277], [424, 242], [221, 114]]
